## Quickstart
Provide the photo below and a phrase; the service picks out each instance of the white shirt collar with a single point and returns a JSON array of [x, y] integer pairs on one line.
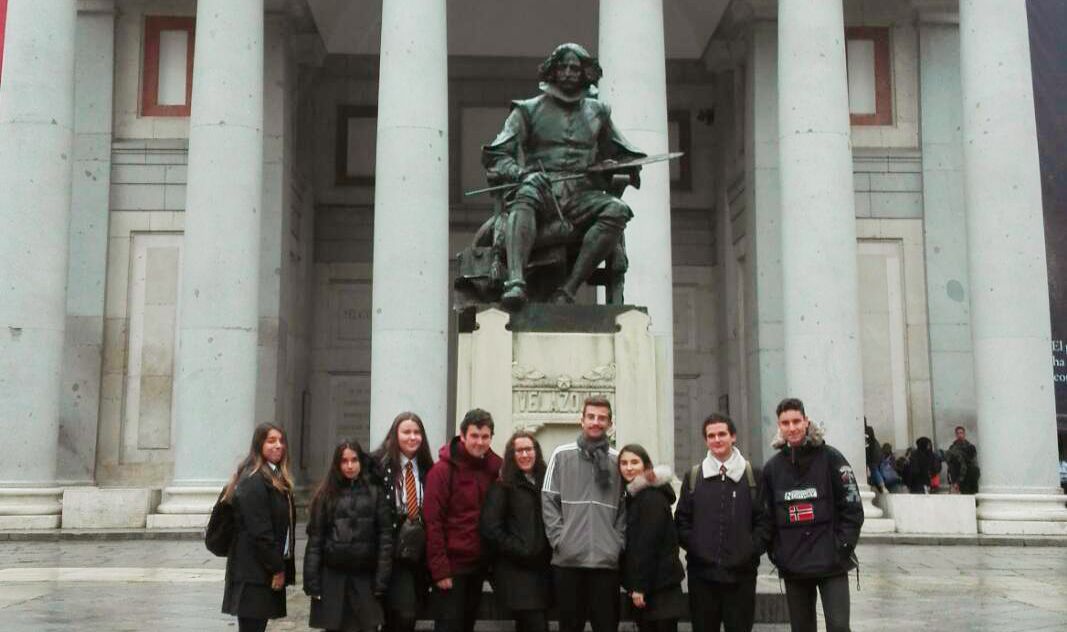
[[735, 465]]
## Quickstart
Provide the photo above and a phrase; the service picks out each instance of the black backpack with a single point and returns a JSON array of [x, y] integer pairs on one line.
[[221, 527]]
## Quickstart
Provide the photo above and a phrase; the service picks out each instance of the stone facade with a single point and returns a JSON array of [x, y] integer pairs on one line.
[[296, 196]]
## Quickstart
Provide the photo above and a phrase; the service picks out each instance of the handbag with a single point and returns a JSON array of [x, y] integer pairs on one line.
[[411, 540]]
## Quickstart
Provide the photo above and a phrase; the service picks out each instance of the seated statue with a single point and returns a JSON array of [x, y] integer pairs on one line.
[[563, 205]]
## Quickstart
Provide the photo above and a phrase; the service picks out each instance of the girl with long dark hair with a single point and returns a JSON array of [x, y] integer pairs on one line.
[[349, 554], [400, 465], [512, 526], [260, 563], [652, 572]]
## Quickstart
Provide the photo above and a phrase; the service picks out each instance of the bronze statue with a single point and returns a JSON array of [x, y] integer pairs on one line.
[[558, 169]]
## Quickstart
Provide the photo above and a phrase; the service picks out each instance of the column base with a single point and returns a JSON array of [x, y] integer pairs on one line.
[[184, 508], [30, 508], [1022, 514]]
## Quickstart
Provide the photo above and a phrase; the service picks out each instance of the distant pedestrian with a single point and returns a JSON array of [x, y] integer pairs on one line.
[[873, 457], [349, 554], [963, 470], [455, 490], [399, 467], [888, 469], [811, 491], [260, 564], [923, 463], [652, 574], [513, 528]]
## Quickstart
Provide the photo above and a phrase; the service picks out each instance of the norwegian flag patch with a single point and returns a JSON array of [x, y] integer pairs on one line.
[[801, 512]]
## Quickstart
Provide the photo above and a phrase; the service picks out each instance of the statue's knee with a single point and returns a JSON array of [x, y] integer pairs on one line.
[[615, 216]]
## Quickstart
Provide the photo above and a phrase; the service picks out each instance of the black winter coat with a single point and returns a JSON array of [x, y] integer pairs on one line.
[[353, 537], [650, 562], [264, 518], [514, 532], [723, 527], [813, 499]]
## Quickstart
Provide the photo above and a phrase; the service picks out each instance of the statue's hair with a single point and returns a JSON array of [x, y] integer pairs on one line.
[[593, 72]]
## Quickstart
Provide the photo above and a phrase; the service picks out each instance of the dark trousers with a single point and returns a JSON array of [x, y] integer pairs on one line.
[[247, 624], [396, 621], [530, 620], [659, 625], [457, 608], [800, 595], [716, 605], [587, 594]]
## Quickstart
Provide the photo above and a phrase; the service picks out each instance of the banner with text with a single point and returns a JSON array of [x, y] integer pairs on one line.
[[1048, 54]]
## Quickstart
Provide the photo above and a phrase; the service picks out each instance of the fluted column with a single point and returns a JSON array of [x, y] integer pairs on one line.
[[1010, 320], [409, 324], [36, 141], [216, 372], [633, 55], [819, 269]]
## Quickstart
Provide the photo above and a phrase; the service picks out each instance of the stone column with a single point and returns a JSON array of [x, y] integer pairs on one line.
[[409, 325], [632, 53], [87, 267], [36, 142], [216, 378], [1010, 320], [944, 221], [819, 270], [763, 204]]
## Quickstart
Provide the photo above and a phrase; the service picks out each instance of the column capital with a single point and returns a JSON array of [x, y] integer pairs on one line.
[[936, 11]]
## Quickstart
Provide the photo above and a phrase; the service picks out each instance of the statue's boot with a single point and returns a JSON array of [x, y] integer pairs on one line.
[[521, 231], [599, 242]]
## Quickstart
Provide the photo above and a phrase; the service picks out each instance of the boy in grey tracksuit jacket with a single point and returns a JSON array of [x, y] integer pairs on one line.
[[585, 523]]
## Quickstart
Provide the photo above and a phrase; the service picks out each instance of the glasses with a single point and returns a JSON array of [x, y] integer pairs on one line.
[[524, 450]]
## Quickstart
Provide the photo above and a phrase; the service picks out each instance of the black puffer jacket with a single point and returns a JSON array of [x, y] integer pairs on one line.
[[514, 532], [354, 535], [651, 562], [814, 502]]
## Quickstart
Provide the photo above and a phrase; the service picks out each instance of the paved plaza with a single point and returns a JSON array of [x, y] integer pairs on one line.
[[177, 585]]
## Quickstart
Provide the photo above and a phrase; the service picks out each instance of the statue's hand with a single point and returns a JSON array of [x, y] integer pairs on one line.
[[537, 179]]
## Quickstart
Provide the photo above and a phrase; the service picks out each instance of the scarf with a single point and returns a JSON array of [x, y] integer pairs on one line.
[[597, 452]]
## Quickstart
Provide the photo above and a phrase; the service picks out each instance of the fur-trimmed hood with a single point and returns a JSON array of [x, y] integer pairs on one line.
[[816, 436], [664, 477]]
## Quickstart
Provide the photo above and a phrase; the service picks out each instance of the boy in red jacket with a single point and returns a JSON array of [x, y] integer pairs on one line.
[[455, 489]]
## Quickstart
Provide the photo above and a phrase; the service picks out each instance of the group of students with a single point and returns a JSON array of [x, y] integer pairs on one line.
[[389, 530]]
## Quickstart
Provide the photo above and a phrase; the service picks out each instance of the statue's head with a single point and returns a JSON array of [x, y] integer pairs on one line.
[[571, 69]]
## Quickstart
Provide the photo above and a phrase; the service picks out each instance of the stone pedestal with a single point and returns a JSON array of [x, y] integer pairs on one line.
[[96, 508], [534, 369], [938, 514]]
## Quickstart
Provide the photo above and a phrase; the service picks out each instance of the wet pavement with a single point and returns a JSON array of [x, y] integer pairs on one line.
[[177, 585]]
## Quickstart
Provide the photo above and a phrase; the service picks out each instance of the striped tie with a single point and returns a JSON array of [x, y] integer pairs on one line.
[[410, 493]]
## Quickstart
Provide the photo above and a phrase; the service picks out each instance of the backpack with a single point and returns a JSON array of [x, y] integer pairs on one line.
[[221, 527]]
